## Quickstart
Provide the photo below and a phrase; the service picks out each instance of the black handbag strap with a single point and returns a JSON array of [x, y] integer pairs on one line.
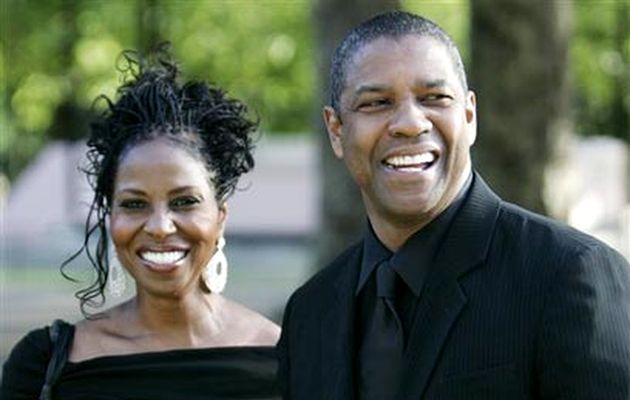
[[61, 334]]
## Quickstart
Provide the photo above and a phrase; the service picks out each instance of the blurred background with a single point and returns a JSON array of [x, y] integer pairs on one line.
[[552, 79]]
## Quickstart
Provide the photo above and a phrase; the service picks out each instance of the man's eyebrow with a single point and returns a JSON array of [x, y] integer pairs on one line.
[[432, 84], [375, 87], [370, 87]]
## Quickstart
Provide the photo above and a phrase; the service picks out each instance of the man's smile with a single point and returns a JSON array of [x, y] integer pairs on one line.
[[412, 162]]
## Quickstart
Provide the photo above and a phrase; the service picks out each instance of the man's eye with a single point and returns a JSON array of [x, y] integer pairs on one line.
[[184, 202], [373, 104], [132, 204], [436, 98]]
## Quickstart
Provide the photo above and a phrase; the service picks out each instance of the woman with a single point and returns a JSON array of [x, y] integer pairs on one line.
[[163, 159]]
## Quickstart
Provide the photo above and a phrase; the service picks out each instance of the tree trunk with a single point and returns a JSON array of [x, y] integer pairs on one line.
[[519, 71], [148, 25], [342, 215], [621, 100], [70, 121]]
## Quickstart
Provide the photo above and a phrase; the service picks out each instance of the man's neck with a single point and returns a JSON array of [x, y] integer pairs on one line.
[[393, 230]]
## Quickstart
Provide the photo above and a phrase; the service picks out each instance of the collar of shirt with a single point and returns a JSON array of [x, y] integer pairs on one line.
[[413, 259]]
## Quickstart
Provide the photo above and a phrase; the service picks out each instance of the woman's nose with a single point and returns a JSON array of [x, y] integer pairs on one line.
[[159, 224]]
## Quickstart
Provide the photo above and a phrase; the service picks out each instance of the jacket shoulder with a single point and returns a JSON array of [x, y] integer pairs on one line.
[[331, 273], [543, 233]]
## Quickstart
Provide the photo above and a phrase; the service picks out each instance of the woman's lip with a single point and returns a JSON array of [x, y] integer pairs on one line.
[[161, 268]]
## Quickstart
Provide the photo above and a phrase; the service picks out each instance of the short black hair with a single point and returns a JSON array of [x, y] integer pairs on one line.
[[196, 116], [391, 24]]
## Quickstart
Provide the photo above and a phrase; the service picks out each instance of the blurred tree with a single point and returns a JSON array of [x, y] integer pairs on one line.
[[61, 57], [70, 119], [148, 25], [519, 71], [64, 54], [453, 16], [343, 217], [621, 99], [600, 63], [261, 51]]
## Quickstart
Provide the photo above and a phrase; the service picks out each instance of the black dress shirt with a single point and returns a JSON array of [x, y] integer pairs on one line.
[[412, 263]]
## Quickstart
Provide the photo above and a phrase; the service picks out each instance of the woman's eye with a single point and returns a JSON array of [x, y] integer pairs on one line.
[[184, 202], [132, 204]]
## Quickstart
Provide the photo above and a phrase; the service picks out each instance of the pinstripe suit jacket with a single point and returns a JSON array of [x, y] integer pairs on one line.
[[516, 306]]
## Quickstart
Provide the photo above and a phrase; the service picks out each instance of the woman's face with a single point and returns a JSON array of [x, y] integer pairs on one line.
[[165, 220]]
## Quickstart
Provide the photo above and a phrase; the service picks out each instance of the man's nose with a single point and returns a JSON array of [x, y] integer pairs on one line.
[[160, 223], [409, 119]]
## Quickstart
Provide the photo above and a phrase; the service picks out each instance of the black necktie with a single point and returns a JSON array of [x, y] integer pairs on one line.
[[380, 355]]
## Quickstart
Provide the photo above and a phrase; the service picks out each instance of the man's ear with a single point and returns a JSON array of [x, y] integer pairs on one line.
[[471, 117], [334, 128]]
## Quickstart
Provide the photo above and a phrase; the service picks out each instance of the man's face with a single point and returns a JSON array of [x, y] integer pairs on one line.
[[404, 129]]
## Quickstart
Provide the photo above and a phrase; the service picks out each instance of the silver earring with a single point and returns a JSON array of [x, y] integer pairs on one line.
[[216, 272], [116, 280]]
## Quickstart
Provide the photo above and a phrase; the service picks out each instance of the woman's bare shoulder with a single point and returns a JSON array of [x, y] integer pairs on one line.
[[253, 328], [99, 336]]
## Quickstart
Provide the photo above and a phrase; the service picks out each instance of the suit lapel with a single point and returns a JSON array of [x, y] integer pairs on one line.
[[442, 299], [337, 331]]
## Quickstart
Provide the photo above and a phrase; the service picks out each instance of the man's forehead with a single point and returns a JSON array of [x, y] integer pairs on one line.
[[385, 43], [387, 48]]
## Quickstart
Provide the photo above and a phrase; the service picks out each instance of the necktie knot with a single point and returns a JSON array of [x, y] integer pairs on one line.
[[385, 281]]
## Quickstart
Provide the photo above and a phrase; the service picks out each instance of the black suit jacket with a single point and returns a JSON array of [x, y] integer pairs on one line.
[[516, 306]]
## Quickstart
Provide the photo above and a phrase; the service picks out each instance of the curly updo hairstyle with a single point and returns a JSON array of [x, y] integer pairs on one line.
[[150, 104]]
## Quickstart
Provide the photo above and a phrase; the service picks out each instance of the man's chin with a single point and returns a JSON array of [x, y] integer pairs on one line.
[[413, 210]]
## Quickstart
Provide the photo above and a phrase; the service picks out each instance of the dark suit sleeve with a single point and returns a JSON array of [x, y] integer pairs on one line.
[[584, 346], [283, 353], [24, 371]]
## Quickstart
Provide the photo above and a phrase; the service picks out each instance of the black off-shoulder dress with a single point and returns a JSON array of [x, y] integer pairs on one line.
[[224, 373]]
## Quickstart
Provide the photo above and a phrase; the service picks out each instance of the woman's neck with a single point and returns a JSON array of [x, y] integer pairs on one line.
[[181, 322]]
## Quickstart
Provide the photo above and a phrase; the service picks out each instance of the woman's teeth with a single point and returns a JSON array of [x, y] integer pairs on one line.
[[163, 257]]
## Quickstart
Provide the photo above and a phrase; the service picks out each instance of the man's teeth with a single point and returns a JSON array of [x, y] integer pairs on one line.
[[411, 161], [163, 257]]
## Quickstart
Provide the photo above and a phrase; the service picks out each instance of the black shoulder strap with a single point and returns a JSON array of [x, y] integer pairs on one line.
[[60, 337]]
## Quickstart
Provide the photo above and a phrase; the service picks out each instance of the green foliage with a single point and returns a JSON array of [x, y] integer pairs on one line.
[[261, 51], [45, 45], [63, 54], [59, 55], [452, 15], [600, 57]]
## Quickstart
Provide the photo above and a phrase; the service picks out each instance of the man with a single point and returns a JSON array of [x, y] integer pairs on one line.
[[452, 293]]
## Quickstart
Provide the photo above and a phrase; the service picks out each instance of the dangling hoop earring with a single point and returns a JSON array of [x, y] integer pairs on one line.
[[116, 279], [216, 272]]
